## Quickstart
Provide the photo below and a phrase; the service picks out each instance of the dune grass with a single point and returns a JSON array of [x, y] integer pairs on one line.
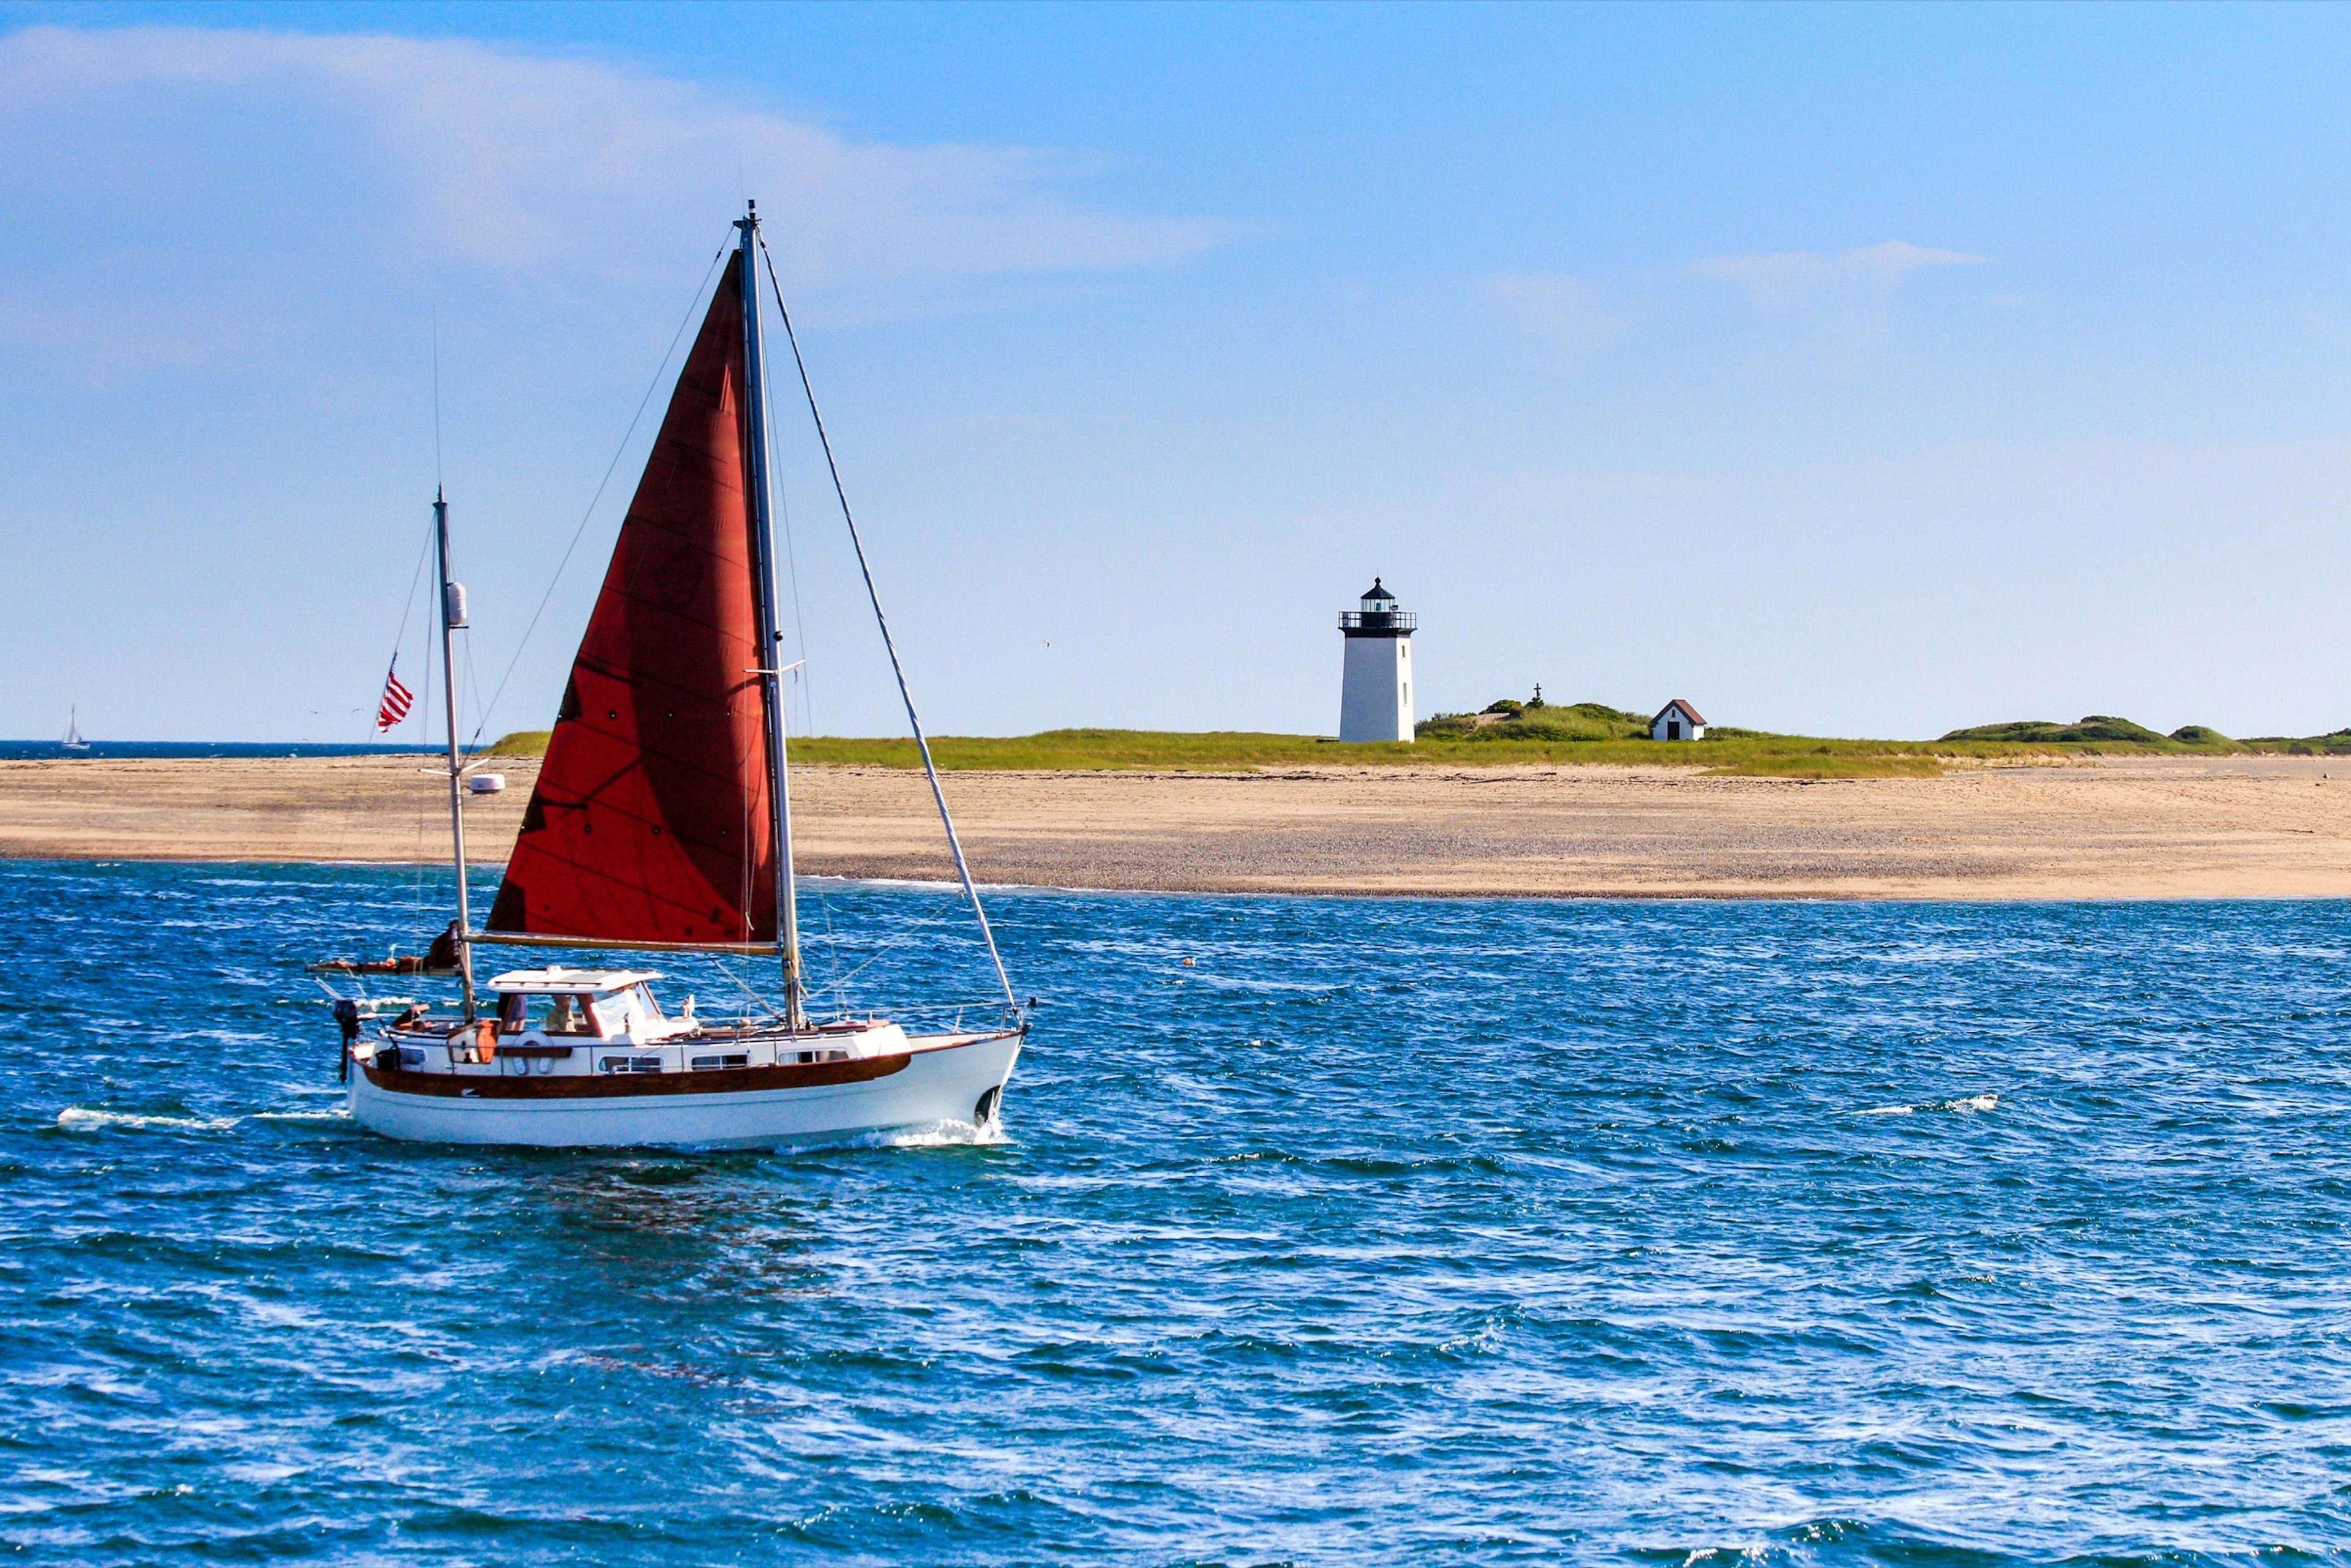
[[1239, 750], [1567, 734], [1817, 767]]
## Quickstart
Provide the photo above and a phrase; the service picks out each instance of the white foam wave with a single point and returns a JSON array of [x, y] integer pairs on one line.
[[929, 1135], [82, 1119], [1968, 1104], [341, 1114]]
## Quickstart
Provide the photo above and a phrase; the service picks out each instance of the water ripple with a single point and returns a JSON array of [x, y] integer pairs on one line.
[[1395, 1232]]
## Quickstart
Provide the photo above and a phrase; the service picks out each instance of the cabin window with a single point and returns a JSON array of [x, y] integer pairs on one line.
[[567, 1013], [721, 1063], [643, 1001], [511, 1020]]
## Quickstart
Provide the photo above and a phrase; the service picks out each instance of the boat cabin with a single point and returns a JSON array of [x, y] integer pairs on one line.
[[582, 1004], [596, 1021]]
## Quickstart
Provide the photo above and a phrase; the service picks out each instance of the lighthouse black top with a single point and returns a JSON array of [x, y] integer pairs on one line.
[[1379, 617]]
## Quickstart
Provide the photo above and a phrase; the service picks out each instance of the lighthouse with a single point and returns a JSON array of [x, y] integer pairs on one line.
[[1375, 696]]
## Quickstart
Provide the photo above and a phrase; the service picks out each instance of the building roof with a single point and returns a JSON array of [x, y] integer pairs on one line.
[[1688, 712], [555, 977], [1376, 591]]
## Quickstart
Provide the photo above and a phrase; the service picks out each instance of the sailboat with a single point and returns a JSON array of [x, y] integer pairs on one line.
[[73, 740], [661, 822]]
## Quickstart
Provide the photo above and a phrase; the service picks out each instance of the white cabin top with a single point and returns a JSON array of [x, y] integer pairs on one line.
[[556, 978]]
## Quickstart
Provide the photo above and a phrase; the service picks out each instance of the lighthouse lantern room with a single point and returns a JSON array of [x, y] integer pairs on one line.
[[1375, 696]]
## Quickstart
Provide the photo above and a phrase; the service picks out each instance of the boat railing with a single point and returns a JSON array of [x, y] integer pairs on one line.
[[970, 1015]]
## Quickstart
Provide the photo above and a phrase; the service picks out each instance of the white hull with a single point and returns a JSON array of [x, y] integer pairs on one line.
[[940, 1078]]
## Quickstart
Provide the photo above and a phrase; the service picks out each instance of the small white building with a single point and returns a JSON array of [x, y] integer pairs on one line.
[[1677, 721], [1375, 692]]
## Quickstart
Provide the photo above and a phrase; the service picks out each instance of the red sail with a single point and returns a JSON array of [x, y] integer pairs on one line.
[[651, 821]]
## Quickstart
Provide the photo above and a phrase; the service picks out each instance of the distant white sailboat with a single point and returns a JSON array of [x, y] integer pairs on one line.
[[73, 740]]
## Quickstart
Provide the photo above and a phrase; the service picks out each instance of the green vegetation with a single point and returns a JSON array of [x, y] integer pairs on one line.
[[2096, 733], [2096, 726], [1507, 721], [2334, 743], [1897, 766], [1218, 751], [1513, 733], [1571, 740]]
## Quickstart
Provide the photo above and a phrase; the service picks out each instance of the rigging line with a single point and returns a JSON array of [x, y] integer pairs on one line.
[[728, 968], [882, 950], [618, 452], [792, 575], [930, 768], [473, 680], [801, 681], [904, 935], [410, 608]]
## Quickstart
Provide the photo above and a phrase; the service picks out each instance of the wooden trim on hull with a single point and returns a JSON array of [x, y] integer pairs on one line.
[[636, 1085]]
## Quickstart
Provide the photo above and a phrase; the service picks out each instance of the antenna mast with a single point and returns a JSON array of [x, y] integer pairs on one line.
[[452, 617]]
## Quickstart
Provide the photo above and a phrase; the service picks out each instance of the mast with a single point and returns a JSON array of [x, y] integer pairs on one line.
[[453, 616], [763, 581]]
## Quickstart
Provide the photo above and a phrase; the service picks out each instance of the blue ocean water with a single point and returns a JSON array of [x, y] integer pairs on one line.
[[32, 750], [1468, 1232]]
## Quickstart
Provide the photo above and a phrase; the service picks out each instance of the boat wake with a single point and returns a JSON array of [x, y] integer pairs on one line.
[[1966, 1106], [84, 1118], [929, 1135], [81, 1119]]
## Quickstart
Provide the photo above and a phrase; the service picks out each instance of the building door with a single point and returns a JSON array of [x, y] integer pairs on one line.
[[1673, 729]]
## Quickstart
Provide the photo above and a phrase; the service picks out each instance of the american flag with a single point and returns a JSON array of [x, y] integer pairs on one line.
[[396, 698]]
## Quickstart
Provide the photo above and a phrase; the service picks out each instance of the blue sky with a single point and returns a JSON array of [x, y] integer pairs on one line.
[[1851, 371]]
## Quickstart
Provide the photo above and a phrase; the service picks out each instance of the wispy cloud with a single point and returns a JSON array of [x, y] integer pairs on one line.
[[1782, 279], [428, 153], [1569, 313]]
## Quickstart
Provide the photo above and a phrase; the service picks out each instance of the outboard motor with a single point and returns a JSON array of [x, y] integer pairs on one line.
[[347, 1016]]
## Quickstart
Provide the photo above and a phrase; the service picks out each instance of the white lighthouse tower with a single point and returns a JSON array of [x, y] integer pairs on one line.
[[1375, 697]]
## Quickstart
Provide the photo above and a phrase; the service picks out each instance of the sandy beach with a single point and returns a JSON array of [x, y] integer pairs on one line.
[[2158, 827]]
